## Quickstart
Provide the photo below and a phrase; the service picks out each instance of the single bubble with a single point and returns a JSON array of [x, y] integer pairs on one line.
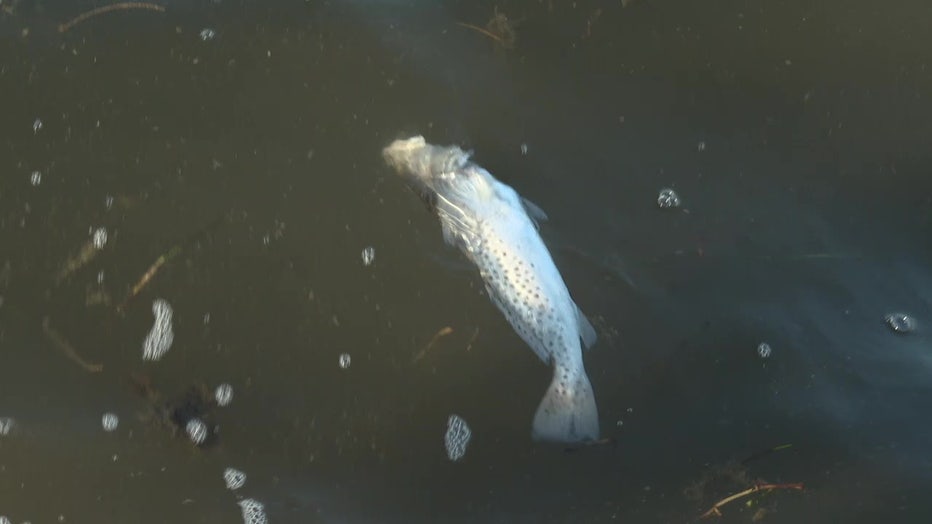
[[668, 198], [100, 237], [223, 394], [344, 360], [207, 34], [6, 425], [900, 322], [524, 149], [368, 256], [110, 421], [35, 178], [234, 478], [457, 437], [36, 126], [161, 336], [763, 350], [253, 512], [197, 431]]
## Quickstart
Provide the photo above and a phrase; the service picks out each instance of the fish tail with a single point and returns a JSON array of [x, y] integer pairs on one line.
[[567, 413]]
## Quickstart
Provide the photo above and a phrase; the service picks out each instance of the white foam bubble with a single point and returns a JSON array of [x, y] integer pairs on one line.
[[457, 437], [160, 337]]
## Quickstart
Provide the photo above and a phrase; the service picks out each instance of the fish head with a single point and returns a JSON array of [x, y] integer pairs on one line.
[[434, 172]]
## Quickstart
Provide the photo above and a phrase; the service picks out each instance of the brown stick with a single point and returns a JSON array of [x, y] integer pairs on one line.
[[486, 32], [68, 349], [442, 333], [106, 9], [714, 511]]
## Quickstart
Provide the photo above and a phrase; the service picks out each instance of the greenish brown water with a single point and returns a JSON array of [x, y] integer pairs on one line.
[[797, 135]]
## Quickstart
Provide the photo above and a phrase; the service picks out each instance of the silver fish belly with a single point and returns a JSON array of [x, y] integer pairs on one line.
[[496, 230]]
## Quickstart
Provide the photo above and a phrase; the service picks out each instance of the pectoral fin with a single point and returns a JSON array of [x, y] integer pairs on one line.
[[534, 211], [586, 331]]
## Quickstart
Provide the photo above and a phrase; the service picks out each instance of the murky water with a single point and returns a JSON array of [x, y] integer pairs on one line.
[[240, 168]]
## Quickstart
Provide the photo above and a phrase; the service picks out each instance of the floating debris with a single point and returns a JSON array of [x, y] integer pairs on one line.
[[368, 256], [234, 478], [444, 331], [524, 149], [62, 344], [900, 322], [110, 421], [668, 199], [763, 350], [153, 269], [223, 394], [197, 431], [457, 437], [175, 415], [4, 520], [108, 202], [715, 511], [87, 253], [36, 126], [6, 425], [35, 178], [499, 28], [344, 360], [253, 512], [207, 34], [701, 147], [106, 9], [160, 337]]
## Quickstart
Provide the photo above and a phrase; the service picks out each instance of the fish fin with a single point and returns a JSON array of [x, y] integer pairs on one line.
[[586, 331], [534, 211], [567, 413]]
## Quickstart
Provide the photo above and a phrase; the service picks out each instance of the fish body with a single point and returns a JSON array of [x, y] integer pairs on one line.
[[496, 230]]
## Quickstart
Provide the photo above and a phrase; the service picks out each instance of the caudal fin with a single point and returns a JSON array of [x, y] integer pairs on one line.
[[567, 414]]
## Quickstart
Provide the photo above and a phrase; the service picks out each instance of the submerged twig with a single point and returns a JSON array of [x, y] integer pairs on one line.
[[485, 32], [714, 511], [68, 349], [499, 28], [444, 331], [106, 9], [149, 274]]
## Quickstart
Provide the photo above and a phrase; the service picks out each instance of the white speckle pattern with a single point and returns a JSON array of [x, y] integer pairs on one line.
[[100, 237], [344, 360], [668, 199], [234, 478], [197, 431], [900, 322], [160, 337], [110, 421], [763, 350], [253, 512], [223, 394], [457, 437], [207, 34], [6, 425], [368, 256]]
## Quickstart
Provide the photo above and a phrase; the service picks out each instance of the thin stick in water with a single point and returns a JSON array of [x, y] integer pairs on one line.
[[68, 349], [442, 333], [715, 511], [106, 9]]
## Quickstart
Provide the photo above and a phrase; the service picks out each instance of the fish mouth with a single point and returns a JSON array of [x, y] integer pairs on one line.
[[401, 154]]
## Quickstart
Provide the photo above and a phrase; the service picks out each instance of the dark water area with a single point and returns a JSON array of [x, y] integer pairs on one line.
[[797, 134]]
